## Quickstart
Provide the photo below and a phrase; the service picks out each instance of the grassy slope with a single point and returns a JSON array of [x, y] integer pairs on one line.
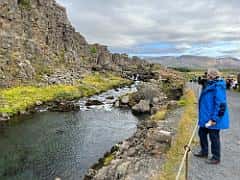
[[17, 99], [186, 124]]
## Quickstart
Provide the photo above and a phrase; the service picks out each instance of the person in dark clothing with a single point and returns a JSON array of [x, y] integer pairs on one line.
[[203, 80], [238, 81], [213, 116], [228, 83]]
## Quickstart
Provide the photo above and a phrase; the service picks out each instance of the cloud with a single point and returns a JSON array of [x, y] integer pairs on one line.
[[183, 46], [128, 24]]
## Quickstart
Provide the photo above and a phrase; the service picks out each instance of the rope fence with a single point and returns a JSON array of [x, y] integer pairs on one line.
[[187, 147]]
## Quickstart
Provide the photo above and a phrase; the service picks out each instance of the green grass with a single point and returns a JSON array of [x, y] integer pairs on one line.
[[183, 101], [184, 132], [160, 115], [16, 99]]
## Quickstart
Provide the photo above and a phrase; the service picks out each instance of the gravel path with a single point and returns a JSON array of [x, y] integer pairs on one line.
[[229, 169]]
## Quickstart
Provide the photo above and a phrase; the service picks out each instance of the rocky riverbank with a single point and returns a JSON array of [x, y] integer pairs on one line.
[[28, 99], [141, 156], [45, 62]]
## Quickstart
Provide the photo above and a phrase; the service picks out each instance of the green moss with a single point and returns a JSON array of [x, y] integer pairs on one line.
[[93, 50], [26, 4], [107, 160], [181, 102], [160, 115], [20, 98]]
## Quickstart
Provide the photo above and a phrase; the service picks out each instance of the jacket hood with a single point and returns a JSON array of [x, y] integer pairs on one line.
[[218, 82]]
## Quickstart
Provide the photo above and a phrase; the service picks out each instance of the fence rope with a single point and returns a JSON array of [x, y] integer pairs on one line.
[[187, 147]]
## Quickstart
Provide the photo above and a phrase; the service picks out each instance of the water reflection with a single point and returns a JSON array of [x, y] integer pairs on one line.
[[50, 144]]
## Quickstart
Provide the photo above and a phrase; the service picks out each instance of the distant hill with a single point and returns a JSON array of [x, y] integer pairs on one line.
[[197, 62]]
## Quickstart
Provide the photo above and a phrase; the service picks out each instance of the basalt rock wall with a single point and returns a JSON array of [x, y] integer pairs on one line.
[[38, 43]]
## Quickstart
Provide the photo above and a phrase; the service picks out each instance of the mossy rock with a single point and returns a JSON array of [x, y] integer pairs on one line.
[[107, 160]]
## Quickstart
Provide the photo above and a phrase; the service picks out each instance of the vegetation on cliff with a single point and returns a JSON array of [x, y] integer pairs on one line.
[[26, 4], [16, 99]]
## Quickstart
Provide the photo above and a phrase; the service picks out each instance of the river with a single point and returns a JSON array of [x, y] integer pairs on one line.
[[46, 145]]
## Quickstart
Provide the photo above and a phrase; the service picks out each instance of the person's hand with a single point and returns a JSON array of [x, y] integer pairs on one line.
[[210, 123]]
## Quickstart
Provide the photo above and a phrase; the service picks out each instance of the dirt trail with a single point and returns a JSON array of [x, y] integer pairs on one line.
[[229, 169]]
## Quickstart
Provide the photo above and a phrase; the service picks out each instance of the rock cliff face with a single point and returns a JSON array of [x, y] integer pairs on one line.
[[39, 44]]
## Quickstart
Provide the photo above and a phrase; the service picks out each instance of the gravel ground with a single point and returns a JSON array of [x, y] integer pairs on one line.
[[229, 168]]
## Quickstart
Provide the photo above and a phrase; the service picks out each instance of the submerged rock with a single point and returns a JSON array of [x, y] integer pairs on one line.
[[117, 104], [93, 102], [64, 106], [4, 117], [110, 97], [38, 103]]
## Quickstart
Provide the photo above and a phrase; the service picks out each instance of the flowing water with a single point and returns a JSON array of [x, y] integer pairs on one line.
[[47, 145]]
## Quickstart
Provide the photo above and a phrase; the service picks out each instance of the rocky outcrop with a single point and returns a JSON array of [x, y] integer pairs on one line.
[[148, 99], [39, 44]]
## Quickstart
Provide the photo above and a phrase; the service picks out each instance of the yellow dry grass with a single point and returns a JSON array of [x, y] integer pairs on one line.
[[184, 132], [160, 115]]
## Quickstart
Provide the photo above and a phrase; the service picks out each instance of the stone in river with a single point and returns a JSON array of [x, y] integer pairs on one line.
[[110, 97], [93, 102]]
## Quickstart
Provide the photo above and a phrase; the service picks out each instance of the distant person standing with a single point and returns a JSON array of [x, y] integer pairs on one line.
[[228, 84], [213, 116], [234, 85], [238, 80], [203, 80]]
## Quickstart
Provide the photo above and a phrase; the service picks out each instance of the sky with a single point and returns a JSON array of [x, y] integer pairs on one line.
[[159, 27]]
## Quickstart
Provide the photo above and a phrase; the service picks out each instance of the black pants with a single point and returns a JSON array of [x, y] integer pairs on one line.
[[215, 141]]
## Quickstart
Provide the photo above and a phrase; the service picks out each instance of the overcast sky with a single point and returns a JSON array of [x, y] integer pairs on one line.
[[159, 27]]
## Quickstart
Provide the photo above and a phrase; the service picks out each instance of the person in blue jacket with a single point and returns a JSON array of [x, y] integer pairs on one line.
[[213, 116]]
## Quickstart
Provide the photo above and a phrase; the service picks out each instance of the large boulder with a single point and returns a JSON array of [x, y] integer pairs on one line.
[[158, 141], [142, 107], [125, 99], [151, 91]]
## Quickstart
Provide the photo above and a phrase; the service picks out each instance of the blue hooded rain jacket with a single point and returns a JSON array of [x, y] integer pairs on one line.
[[213, 105]]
